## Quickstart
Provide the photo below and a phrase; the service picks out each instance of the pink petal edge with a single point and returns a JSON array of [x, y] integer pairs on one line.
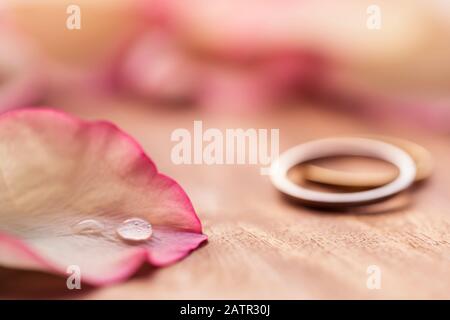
[[27, 258]]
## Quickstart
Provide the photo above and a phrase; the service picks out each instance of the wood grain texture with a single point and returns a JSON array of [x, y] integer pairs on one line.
[[260, 245]]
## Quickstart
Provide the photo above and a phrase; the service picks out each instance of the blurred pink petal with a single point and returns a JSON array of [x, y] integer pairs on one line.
[[76, 60], [417, 108], [243, 27], [156, 67], [21, 79], [57, 171], [241, 32]]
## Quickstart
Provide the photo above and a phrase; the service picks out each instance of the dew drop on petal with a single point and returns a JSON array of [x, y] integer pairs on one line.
[[88, 226], [135, 229]]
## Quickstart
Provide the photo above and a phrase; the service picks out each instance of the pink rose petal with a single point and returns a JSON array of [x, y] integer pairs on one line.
[[155, 67], [56, 171], [21, 79]]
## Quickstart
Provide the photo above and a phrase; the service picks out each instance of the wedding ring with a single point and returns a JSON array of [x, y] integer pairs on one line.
[[421, 157], [342, 146]]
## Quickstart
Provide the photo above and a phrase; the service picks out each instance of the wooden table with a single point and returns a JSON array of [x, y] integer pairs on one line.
[[261, 246]]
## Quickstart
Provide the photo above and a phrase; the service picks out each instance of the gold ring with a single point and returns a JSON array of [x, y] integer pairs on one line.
[[421, 156], [342, 146]]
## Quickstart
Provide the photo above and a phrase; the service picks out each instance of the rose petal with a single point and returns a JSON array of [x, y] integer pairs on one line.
[[21, 81], [56, 171], [155, 67]]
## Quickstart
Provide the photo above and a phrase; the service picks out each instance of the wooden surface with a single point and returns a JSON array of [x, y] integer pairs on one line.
[[260, 245]]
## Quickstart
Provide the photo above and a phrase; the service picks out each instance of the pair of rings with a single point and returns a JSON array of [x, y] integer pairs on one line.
[[414, 163]]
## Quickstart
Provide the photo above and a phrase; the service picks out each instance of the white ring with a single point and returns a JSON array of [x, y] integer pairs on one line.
[[343, 146]]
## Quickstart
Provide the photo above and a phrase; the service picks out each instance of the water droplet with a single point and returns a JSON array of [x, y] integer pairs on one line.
[[135, 229], [88, 226]]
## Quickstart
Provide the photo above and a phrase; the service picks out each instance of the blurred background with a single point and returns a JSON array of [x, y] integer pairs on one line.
[[385, 59]]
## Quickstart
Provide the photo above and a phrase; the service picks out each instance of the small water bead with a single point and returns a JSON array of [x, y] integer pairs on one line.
[[88, 226], [135, 229]]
